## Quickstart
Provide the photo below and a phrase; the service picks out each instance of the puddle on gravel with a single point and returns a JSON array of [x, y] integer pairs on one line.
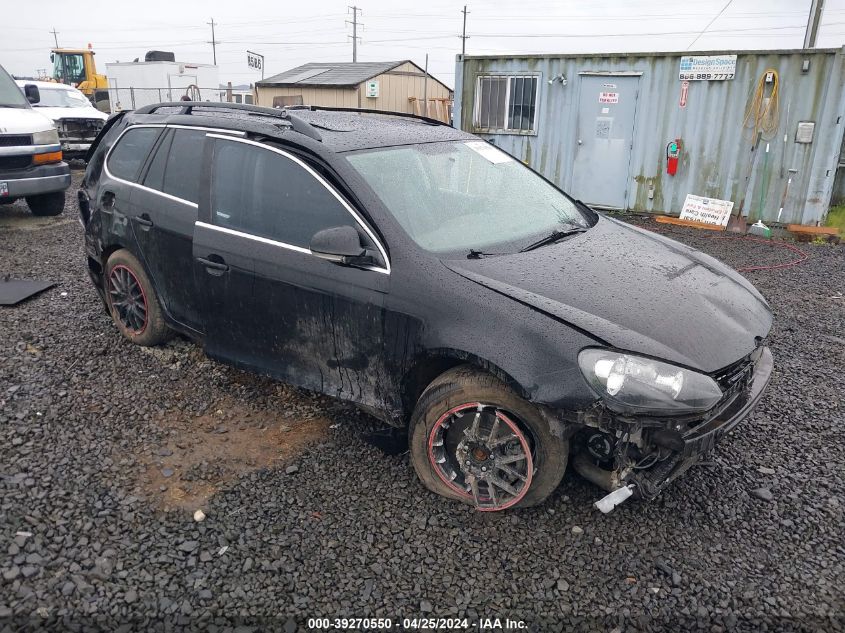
[[202, 454]]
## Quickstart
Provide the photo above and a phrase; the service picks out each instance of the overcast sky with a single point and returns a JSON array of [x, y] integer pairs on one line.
[[293, 33]]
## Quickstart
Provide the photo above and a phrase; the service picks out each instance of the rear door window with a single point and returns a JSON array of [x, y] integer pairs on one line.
[[263, 193], [175, 168], [155, 172], [182, 174], [130, 153]]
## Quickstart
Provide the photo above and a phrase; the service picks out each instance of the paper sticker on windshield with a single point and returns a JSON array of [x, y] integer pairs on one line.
[[489, 152]]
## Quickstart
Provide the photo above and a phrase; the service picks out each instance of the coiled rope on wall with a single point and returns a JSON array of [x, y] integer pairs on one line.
[[762, 113]]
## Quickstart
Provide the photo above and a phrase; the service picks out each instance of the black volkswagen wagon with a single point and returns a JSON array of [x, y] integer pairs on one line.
[[432, 279]]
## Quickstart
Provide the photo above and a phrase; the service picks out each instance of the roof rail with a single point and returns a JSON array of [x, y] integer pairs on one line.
[[407, 115], [187, 107]]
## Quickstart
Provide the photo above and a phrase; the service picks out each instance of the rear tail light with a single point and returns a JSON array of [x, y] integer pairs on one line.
[[49, 157]]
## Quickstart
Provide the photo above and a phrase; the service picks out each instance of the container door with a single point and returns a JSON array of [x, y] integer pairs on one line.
[[606, 112]]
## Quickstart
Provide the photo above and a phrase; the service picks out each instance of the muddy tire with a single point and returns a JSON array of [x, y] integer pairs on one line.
[[46, 204], [474, 440], [132, 302]]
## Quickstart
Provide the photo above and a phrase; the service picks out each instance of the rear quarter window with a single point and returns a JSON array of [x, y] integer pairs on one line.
[[131, 151]]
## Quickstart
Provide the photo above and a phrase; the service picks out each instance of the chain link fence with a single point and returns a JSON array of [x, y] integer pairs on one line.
[[130, 98]]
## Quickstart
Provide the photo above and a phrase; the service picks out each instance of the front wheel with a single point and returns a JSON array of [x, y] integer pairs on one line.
[[474, 440], [132, 301], [46, 204]]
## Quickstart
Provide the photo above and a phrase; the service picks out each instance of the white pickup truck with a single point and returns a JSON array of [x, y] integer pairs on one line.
[[31, 164], [77, 121]]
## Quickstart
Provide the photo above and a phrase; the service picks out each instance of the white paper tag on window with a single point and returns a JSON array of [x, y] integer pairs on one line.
[[489, 152]]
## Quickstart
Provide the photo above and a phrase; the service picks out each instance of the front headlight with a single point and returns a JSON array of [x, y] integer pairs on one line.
[[631, 384], [47, 137]]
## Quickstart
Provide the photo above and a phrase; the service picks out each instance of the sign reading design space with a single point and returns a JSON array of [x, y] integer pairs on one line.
[[707, 210], [707, 67]]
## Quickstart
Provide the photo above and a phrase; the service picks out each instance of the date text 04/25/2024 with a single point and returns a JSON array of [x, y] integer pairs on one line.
[[382, 624]]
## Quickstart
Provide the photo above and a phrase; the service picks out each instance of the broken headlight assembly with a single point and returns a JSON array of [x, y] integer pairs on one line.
[[635, 385]]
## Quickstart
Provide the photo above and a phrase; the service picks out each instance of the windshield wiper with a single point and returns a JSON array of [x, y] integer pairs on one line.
[[554, 236], [474, 254]]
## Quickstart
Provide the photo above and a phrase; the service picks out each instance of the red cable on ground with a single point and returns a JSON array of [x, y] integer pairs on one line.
[[795, 262]]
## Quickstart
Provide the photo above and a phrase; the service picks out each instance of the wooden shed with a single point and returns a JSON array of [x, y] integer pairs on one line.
[[395, 86]]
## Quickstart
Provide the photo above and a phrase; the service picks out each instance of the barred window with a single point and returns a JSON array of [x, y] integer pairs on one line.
[[506, 103]]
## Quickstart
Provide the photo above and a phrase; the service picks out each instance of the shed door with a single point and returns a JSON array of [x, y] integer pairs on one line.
[[606, 112]]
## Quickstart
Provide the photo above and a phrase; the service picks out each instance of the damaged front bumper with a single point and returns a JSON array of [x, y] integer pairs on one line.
[[645, 455]]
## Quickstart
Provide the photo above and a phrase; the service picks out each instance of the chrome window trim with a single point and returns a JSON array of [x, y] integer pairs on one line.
[[322, 181], [234, 133], [266, 240]]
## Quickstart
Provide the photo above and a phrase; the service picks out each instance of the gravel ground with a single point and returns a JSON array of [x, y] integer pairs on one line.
[[103, 462]]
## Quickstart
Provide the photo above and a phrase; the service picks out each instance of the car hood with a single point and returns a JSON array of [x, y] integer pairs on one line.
[[57, 113], [634, 290], [23, 121]]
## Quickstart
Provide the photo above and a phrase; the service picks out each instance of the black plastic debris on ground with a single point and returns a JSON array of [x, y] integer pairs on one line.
[[391, 440], [13, 291]]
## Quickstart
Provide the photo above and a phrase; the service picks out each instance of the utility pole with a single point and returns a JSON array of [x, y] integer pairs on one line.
[[213, 41], [813, 23], [425, 88], [354, 24], [464, 36], [55, 36]]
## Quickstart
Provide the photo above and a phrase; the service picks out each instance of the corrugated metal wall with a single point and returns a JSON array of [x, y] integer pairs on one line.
[[717, 149]]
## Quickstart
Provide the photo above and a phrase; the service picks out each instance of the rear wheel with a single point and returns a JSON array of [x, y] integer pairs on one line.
[[474, 440], [132, 301], [47, 203]]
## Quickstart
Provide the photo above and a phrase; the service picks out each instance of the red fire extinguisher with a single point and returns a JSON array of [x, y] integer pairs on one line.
[[673, 151]]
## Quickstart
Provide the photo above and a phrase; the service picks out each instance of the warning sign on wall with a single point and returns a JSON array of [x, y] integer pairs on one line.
[[608, 97], [707, 210], [684, 94]]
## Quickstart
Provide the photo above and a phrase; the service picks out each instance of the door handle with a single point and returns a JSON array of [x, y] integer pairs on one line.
[[217, 264], [144, 221]]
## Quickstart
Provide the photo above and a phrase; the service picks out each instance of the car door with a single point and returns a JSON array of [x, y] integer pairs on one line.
[[167, 210], [270, 304], [115, 191]]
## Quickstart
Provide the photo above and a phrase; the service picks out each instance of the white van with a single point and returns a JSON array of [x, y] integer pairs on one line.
[[31, 164]]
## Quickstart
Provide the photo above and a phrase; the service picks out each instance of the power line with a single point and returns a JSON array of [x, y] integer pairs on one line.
[[710, 23], [55, 36], [213, 41]]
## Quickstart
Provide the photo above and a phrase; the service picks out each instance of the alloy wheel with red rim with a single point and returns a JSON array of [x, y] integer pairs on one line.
[[128, 299], [482, 454]]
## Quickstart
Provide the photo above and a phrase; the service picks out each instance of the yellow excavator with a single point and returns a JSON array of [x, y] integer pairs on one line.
[[76, 68]]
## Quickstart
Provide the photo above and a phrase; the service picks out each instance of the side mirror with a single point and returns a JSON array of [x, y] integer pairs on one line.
[[340, 244], [31, 93]]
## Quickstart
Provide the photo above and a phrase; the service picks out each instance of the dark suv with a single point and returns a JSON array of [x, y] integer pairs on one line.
[[425, 275]]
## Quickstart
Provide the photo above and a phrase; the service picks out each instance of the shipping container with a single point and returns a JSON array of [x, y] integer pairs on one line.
[[762, 129], [136, 84]]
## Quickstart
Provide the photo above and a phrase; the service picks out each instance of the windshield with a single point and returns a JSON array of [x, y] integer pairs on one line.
[[10, 95], [465, 195], [62, 98], [68, 67]]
